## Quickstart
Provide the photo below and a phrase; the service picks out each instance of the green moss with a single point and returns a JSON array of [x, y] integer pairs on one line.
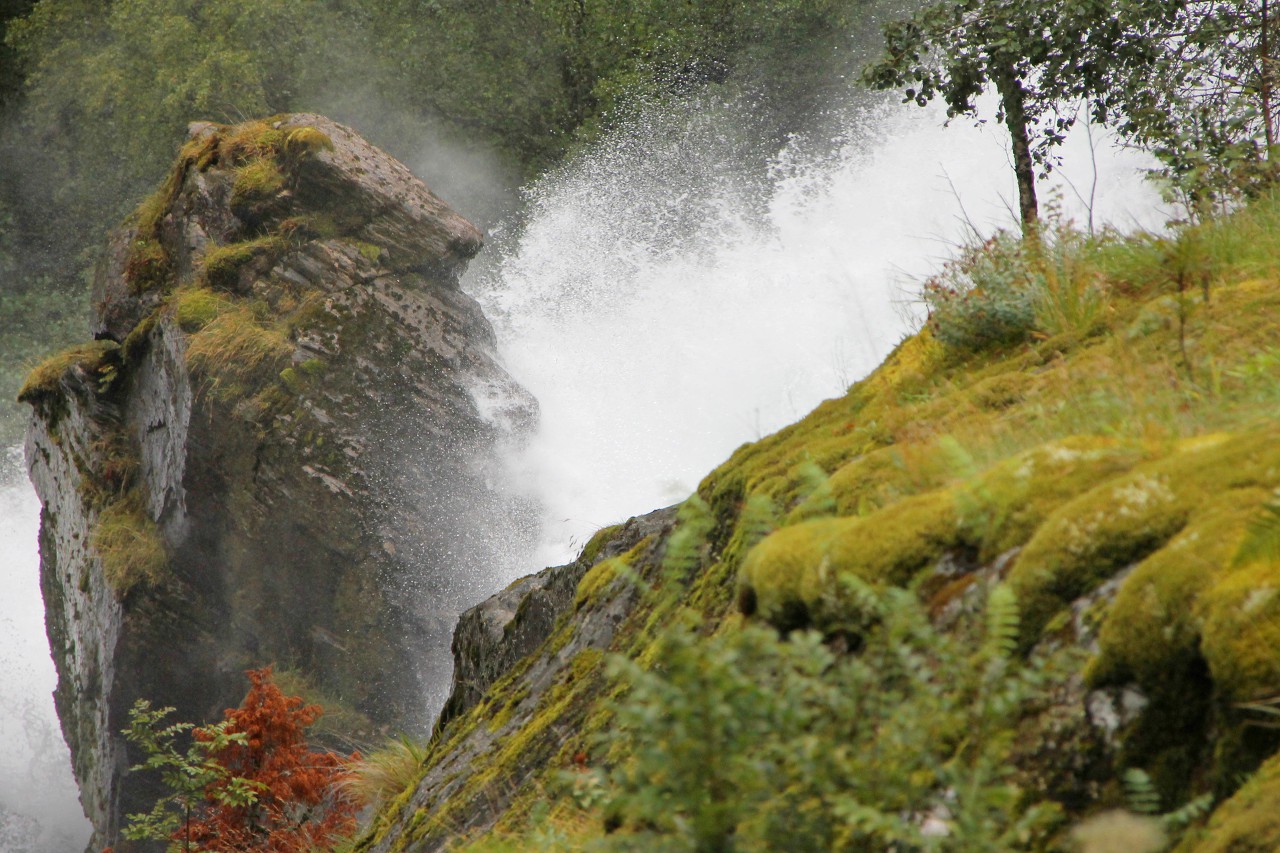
[[599, 578], [138, 340], [1006, 505], [1089, 538], [1153, 626], [129, 545], [45, 379], [236, 349], [197, 307], [1127, 518], [256, 182], [528, 749], [792, 578], [1247, 823], [222, 264], [292, 380], [147, 266], [1241, 633], [303, 141]]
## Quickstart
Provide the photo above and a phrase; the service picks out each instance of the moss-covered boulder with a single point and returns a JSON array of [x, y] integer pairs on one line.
[[279, 449]]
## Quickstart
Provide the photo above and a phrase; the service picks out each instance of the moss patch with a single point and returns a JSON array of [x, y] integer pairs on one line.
[[95, 358], [1247, 823], [129, 545], [222, 264], [147, 266], [792, 578], [237, 348]]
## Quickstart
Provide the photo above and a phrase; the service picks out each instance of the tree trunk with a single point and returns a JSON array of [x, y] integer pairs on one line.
[[1264, 80], [1013, 103]]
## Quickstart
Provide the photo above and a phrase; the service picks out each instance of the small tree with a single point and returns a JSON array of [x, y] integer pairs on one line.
[[1042, 58], [249, 783], [1208, 108]]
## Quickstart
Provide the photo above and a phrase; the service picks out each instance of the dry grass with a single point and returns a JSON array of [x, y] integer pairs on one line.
[[46, 377], [236, 347], [385, 773], [129, 545]]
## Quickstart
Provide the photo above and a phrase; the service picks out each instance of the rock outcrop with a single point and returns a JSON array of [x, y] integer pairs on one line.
[[280, 448]]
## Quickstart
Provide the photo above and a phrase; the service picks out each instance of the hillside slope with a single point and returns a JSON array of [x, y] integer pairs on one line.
[[1112, 458]]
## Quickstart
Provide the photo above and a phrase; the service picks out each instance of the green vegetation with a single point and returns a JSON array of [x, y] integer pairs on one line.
[[1125, 435], [94, 359], [250, 782], [747, 742], [129, 545]]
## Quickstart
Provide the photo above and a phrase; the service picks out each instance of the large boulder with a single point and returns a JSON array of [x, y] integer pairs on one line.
[[283, 447]]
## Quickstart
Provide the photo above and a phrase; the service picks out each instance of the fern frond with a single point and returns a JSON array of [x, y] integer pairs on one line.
[[1141, 792], [1189, 813], [1003, 624], [1261, 541], [684, 546], [816, 498], [759, 518]]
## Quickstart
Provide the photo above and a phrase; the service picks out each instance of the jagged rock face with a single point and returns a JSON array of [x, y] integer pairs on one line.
[[528, 667], [280, 451]]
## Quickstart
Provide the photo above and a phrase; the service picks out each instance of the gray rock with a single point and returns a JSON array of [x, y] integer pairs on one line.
[[328, 510]]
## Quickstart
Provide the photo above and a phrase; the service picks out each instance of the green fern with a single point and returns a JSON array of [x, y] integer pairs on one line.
[[1141, 792], [1261, 541], [1189, 813], [685, 546], [816, 499], [1003, 624], [758, 519]]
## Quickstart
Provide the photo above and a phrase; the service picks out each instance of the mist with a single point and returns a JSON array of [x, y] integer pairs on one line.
[[39, 804], [667, 300]]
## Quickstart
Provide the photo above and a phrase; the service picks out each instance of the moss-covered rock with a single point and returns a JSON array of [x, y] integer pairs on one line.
[[232, 476], [1249, 822], [1109, 474]]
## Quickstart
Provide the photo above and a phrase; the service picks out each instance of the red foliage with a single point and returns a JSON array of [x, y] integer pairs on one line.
[[300, 801]]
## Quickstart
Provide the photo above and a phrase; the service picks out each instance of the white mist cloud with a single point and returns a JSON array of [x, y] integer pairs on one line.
[[665, 303], [39, 805]]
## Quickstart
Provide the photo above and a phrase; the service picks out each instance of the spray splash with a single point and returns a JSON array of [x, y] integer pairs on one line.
[[39, 806], [667, 299]]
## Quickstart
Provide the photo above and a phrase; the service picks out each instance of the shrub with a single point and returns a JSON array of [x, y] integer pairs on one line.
[[749, 741], [984, 297], [249, 783]]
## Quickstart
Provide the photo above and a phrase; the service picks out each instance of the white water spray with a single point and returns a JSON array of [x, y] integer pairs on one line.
[[664, 308], [39, 806]]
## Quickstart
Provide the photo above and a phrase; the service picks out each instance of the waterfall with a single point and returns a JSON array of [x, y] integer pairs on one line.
[[39, 806], [667, 298]]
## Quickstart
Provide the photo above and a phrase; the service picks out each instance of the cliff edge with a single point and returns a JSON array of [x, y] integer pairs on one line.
[[278, 448]]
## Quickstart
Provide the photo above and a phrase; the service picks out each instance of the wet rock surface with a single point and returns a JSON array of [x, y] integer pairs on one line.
[[281, 413]]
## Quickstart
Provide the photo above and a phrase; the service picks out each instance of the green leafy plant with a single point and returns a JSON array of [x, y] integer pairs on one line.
[[752, 741], [1070, 291], [984, 297], [187, 774], [248, 783]]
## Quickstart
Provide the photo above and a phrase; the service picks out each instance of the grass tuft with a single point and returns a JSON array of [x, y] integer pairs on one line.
[[45, 378], [129, 545]]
